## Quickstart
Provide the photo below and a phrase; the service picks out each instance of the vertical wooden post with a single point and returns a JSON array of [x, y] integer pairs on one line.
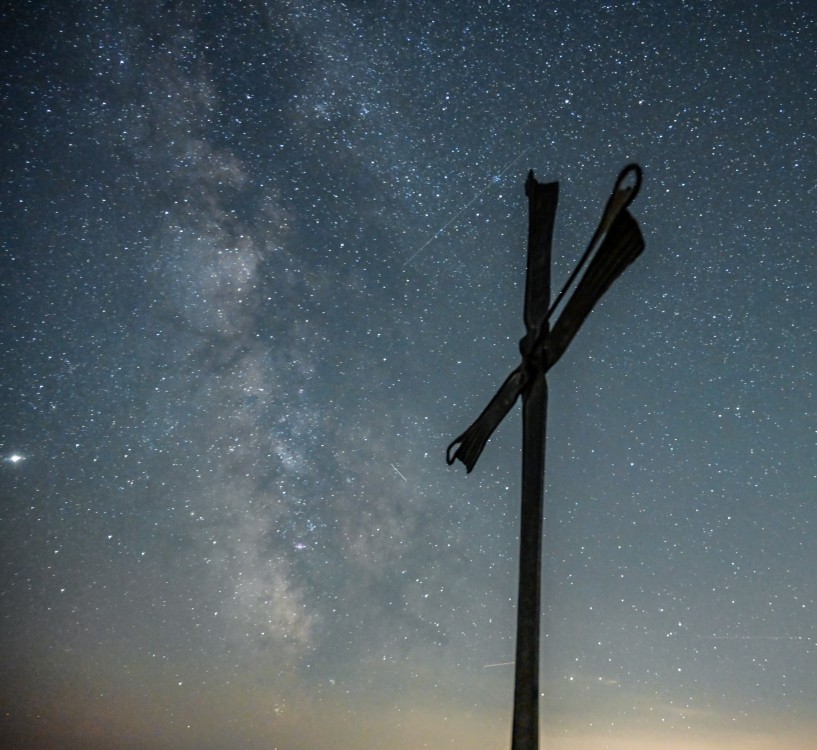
[[542, 200]]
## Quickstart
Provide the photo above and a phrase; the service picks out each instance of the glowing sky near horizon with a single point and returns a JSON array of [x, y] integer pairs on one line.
[[261, 262]]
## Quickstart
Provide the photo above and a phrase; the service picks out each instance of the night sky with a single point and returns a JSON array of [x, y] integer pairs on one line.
[[262, 261]]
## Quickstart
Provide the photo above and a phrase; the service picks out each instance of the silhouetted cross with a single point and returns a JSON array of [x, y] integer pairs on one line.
[[616, 243]]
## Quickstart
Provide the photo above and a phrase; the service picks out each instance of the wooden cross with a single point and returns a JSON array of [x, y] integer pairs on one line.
[[616, 243]]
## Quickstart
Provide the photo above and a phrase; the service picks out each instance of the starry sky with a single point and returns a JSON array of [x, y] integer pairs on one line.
[[262, 261]]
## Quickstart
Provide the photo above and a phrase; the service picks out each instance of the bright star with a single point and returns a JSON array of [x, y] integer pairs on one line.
[[15, 458]]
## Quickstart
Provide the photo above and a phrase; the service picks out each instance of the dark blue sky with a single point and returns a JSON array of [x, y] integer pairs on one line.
[[261, 264]]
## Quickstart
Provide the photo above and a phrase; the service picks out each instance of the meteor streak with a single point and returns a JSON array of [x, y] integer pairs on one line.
[[398, 473], [447, 224], [754, 637]]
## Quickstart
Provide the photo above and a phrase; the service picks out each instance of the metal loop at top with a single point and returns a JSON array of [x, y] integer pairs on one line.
[[632, 191]]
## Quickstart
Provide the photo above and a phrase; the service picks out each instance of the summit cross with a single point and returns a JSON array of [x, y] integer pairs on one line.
[[616, 243]]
